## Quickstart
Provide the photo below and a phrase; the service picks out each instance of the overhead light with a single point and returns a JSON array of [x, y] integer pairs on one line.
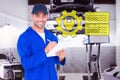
[[97, 9]]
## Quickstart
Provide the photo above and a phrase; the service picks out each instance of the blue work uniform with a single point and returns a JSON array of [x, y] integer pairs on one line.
[[37, 66]]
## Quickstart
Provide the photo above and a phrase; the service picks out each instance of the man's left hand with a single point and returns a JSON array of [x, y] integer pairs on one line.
[[61, 54]]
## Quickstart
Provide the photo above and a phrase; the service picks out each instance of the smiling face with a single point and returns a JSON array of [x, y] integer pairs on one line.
[[39, 20]]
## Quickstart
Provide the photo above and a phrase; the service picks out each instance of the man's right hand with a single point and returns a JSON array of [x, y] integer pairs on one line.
[[50, 46]]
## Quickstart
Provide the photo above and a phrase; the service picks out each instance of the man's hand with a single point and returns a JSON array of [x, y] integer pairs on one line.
[[61, 54], [50, 46]]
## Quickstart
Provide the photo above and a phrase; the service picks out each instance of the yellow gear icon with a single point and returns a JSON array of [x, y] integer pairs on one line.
[[60, 23]]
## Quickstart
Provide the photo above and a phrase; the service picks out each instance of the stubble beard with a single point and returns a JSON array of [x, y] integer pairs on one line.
[[39, 26]]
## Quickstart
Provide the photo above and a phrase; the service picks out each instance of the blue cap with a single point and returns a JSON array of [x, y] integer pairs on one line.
[[39, 8]]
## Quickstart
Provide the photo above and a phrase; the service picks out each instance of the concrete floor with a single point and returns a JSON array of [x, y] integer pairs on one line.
[[73, 76]]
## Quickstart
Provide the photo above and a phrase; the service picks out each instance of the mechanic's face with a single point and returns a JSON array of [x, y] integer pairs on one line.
[[39, 19]]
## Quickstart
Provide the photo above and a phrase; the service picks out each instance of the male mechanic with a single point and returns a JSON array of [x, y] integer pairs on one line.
[[34, 44]]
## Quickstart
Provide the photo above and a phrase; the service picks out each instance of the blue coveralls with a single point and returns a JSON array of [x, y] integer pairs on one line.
[[37, 66]]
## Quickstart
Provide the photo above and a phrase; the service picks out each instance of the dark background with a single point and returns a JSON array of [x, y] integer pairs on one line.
[[32, 2]]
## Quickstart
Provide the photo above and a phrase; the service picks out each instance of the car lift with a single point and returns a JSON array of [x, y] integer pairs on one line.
[[93, 58], [94, 71]]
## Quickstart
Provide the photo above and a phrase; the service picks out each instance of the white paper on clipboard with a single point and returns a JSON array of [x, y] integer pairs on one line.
[[61, 45]]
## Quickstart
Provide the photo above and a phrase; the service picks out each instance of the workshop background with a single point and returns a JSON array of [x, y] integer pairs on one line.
[[15, 18]]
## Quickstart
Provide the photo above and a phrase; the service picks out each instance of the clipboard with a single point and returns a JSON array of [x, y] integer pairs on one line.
[[61, 45]]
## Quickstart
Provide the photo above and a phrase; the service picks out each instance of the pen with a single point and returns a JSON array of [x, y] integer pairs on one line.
[[48, 40]]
